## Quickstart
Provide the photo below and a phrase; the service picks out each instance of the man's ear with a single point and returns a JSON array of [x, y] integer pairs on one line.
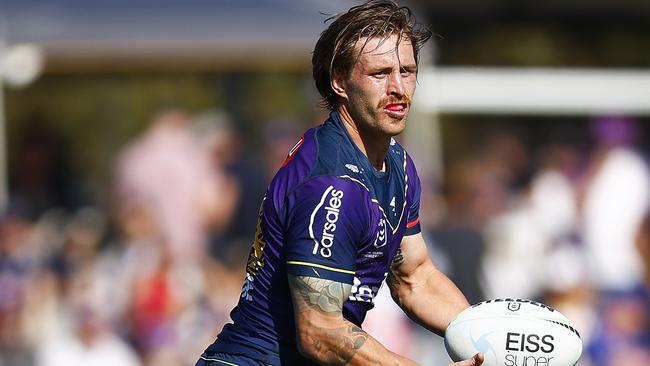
[[339, 86]]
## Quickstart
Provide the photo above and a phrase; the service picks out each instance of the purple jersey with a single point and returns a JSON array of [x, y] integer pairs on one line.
[[328, 214]]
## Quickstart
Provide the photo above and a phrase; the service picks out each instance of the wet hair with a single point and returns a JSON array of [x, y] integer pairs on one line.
[[334, 53]]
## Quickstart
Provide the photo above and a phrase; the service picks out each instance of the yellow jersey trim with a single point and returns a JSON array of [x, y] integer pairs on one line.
[[321, 266], [217, 360]]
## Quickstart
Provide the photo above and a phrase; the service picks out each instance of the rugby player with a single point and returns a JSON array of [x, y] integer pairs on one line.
[[341, 214]]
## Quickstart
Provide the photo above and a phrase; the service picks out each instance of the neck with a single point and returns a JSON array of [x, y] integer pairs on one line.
[[373, 146]]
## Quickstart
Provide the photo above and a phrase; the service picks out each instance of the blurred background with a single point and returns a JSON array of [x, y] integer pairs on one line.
[[137, 139]]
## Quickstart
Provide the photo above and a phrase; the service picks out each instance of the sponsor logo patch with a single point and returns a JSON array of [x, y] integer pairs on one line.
[[529, 349], [327, 211], [352, 167], [373, 255], [364, 292]]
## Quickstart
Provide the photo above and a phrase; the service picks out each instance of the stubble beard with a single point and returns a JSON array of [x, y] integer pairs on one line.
[[388, 125], [376, 123]]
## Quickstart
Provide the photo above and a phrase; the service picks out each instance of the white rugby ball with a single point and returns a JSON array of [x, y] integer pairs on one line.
[[514, 332]]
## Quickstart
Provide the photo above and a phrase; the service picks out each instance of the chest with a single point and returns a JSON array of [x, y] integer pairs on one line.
[[376, 254]]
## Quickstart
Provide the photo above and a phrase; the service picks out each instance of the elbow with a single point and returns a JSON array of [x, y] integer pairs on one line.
[[331, 346], [398, 296], [307, 343], [401, 290]]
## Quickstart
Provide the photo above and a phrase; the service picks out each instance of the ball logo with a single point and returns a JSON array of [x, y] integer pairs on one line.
[[483, 345], [529, 342], [533, 344], [332, 199], [522, 301], [514, 306]]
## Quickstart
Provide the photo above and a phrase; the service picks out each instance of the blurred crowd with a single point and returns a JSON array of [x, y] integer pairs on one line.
[[150, 277]]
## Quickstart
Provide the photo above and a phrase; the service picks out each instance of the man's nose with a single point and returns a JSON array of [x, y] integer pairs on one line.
[[395, 84]]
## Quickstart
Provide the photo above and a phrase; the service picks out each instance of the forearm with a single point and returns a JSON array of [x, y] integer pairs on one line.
[[428, 296], [324, 335], [345, 344]]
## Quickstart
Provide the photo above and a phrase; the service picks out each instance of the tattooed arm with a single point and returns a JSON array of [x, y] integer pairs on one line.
[[327, 338], [324, 335], [420, 289]]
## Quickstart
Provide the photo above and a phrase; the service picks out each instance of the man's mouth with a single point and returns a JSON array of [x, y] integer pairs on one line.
[[396, 107], [396, 110]]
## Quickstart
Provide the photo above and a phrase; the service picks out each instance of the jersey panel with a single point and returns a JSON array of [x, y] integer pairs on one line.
[[326, 218], [413, 222]]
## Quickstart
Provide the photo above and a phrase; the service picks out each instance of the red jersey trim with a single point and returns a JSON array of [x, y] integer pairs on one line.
[[412, 223], [293, 150]]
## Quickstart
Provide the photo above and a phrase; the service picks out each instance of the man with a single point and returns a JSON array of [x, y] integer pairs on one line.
[[341, 215]]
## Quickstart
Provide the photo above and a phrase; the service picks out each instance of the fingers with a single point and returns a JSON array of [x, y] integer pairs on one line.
[[474, 361], [477, 359]]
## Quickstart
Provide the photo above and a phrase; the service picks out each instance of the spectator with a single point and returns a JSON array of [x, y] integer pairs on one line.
[[91, 341], [168, 173], [616, 197]]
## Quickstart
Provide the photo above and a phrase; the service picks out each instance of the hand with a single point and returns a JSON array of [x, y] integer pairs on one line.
[[474, 361]]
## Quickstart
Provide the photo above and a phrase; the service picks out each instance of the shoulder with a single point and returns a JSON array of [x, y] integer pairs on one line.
[[312, 164], [296, 167], [320, 188], [316, 152]]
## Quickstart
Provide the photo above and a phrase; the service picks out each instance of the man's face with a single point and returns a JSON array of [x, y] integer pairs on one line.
[[380, 86]]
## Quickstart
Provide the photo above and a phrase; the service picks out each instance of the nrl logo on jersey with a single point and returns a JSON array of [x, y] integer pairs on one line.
[[323, 221], [382, 235]]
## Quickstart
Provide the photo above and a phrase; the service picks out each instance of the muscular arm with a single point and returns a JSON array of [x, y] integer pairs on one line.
[[427, 295], [324, 335], [327, 338]]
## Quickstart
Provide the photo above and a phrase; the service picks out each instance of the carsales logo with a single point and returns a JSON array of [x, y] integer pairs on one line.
[[323, 237]]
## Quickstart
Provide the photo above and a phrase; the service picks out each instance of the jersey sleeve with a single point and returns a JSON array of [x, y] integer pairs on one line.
[[326, 220], [413, 194]]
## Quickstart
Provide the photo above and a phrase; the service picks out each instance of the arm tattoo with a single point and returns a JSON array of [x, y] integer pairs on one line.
[[398, 258], [334, 346], [346, 341], [323, 295], [393, 280]]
